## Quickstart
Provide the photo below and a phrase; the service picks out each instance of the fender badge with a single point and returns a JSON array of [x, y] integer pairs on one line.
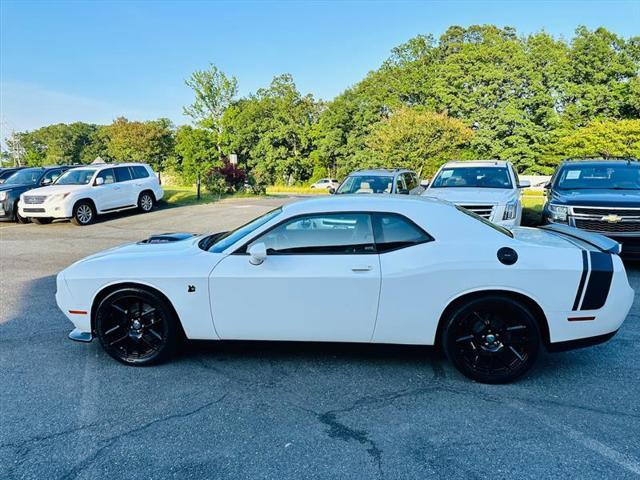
[[191, 288], [612, 218]]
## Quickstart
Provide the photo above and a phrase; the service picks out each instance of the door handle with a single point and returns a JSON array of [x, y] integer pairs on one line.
[[362, 268]]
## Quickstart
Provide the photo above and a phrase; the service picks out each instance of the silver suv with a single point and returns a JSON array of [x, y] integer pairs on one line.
[[382, 180]]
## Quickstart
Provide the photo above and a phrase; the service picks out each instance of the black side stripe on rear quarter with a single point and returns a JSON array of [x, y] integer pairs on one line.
[[599, 281], [583, 278]]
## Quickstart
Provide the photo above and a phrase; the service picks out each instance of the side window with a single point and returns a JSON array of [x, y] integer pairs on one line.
[[412, 181], [51, 176], [329, 233], [108, 175], [393, 231], [401, 186], [123, 174], [140, 172], [515, 176]]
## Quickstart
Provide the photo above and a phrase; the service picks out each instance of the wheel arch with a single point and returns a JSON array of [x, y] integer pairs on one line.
[[149, 191], [108, 289], [84, 199], [530, 303]]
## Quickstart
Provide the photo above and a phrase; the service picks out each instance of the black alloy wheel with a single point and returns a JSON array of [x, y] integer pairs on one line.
[[492, 339], [136, 327], [146, 202]]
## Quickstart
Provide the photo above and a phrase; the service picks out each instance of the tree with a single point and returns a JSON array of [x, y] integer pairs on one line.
[[603, 138], [59, 144], [197, 152], [416, 139], [214, 93]]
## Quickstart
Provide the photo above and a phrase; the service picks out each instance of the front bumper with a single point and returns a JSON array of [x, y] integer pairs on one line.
[[45, 210], [79, 315]]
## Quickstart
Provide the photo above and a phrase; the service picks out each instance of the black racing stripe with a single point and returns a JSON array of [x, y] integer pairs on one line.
[[583, 278], [599, 282]]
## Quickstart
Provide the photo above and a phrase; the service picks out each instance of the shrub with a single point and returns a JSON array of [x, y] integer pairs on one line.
[[226, 178]]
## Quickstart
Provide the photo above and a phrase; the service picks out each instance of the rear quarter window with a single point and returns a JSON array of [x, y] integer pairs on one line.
[[140, 172]]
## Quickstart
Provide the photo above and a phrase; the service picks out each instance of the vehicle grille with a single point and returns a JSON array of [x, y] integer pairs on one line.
[[623, 212], [33, 210], [34, 199], [484, 211], [604, 226]]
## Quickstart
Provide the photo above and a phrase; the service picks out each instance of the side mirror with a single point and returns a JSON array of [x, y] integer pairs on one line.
[[524, 184], [46, 181], [257, 253], [332, 190], [424, 183], [99, 181]]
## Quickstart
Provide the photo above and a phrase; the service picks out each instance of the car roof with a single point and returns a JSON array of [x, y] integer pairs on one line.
[[360, 202], [476, 163], [380, 172], [599, 162], [110, 165]]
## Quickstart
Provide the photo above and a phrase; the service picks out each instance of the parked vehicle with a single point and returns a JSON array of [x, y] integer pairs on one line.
[[21, 181], [326, 183], [396, 269], [85, 192], [600, 196], [7, 172], [381, 180], [490, 189]]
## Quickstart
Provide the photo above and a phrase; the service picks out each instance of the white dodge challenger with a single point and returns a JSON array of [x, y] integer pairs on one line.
[[400, 270]]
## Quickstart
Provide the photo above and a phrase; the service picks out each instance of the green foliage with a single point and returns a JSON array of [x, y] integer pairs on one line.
[[603, 138], [214, 93], [196, 151], [59, 144]]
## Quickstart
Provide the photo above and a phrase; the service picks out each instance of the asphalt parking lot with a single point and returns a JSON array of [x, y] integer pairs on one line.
[[271, 410]]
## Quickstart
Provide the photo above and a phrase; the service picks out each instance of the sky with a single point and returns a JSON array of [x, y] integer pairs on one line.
[[93, 61]]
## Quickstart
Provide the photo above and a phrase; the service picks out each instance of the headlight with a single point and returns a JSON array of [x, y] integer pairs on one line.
[[510, 211], [3, 196], [559, 213], [57, 197]]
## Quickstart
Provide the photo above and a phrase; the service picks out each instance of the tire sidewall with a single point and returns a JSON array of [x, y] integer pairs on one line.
[[75, 219], [170, 328], [151, 197], [525, 315]]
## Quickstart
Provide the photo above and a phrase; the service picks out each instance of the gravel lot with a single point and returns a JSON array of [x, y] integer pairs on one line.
[[268, 410]]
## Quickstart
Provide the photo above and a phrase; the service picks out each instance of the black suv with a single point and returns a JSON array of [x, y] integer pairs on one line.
[[7, 172], [601, 196], [22, 181]]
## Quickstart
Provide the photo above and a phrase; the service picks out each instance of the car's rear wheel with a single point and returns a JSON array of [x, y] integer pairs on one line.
[[146, 202], [41, 220], [492, 339], [136, 327], [83, 213]]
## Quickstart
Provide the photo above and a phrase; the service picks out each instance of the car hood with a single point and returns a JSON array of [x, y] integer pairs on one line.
[[470, 196], [53, 189], [597, 198], [4, 187]]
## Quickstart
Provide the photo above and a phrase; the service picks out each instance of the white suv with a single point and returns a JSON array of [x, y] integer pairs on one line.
[[490, 189], [85, 192]]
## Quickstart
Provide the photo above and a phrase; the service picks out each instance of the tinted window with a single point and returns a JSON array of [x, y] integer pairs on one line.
[[28, 176], [411, 181], [108, 175], [401, 186], [122, 174], [140, 172], [619, 177], [51, 176], [478, 177], [393, 231], [331, 233]]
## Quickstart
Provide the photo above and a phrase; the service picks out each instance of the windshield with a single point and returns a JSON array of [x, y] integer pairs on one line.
[[502, 230], [81, 176], [6, 174], [477, 177], [28, 176], [225, 241], [366, 184], [600, 177]]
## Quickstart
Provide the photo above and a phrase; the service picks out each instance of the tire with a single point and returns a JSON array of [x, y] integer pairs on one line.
[[19, 219], [136, 327], [83, 213], [493, 339], [41, 220], [146, 202]]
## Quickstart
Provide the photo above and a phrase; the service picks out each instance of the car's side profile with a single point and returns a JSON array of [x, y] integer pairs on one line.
[[83, 193], [381, 180], [397, 269], [490, 188], [325, 184]]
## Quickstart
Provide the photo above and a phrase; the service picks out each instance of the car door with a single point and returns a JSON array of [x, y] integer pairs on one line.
[[125, 187], [107, 195], [312, 261]]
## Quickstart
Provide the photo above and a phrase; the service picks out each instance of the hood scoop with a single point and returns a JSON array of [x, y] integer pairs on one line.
[[166, 238]]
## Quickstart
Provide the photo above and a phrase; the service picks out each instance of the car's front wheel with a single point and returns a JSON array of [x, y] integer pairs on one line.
[[19, 218], [492, 339], [146, 202], [136, 326], [83, 213]]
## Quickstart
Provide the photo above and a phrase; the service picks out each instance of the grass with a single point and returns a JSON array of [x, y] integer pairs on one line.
[[280, 189], [532, 203], [178, 196]]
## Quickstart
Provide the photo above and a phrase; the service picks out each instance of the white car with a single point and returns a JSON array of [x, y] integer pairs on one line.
[[490, 189], [396, 269], [85, 192], [326, 184]]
